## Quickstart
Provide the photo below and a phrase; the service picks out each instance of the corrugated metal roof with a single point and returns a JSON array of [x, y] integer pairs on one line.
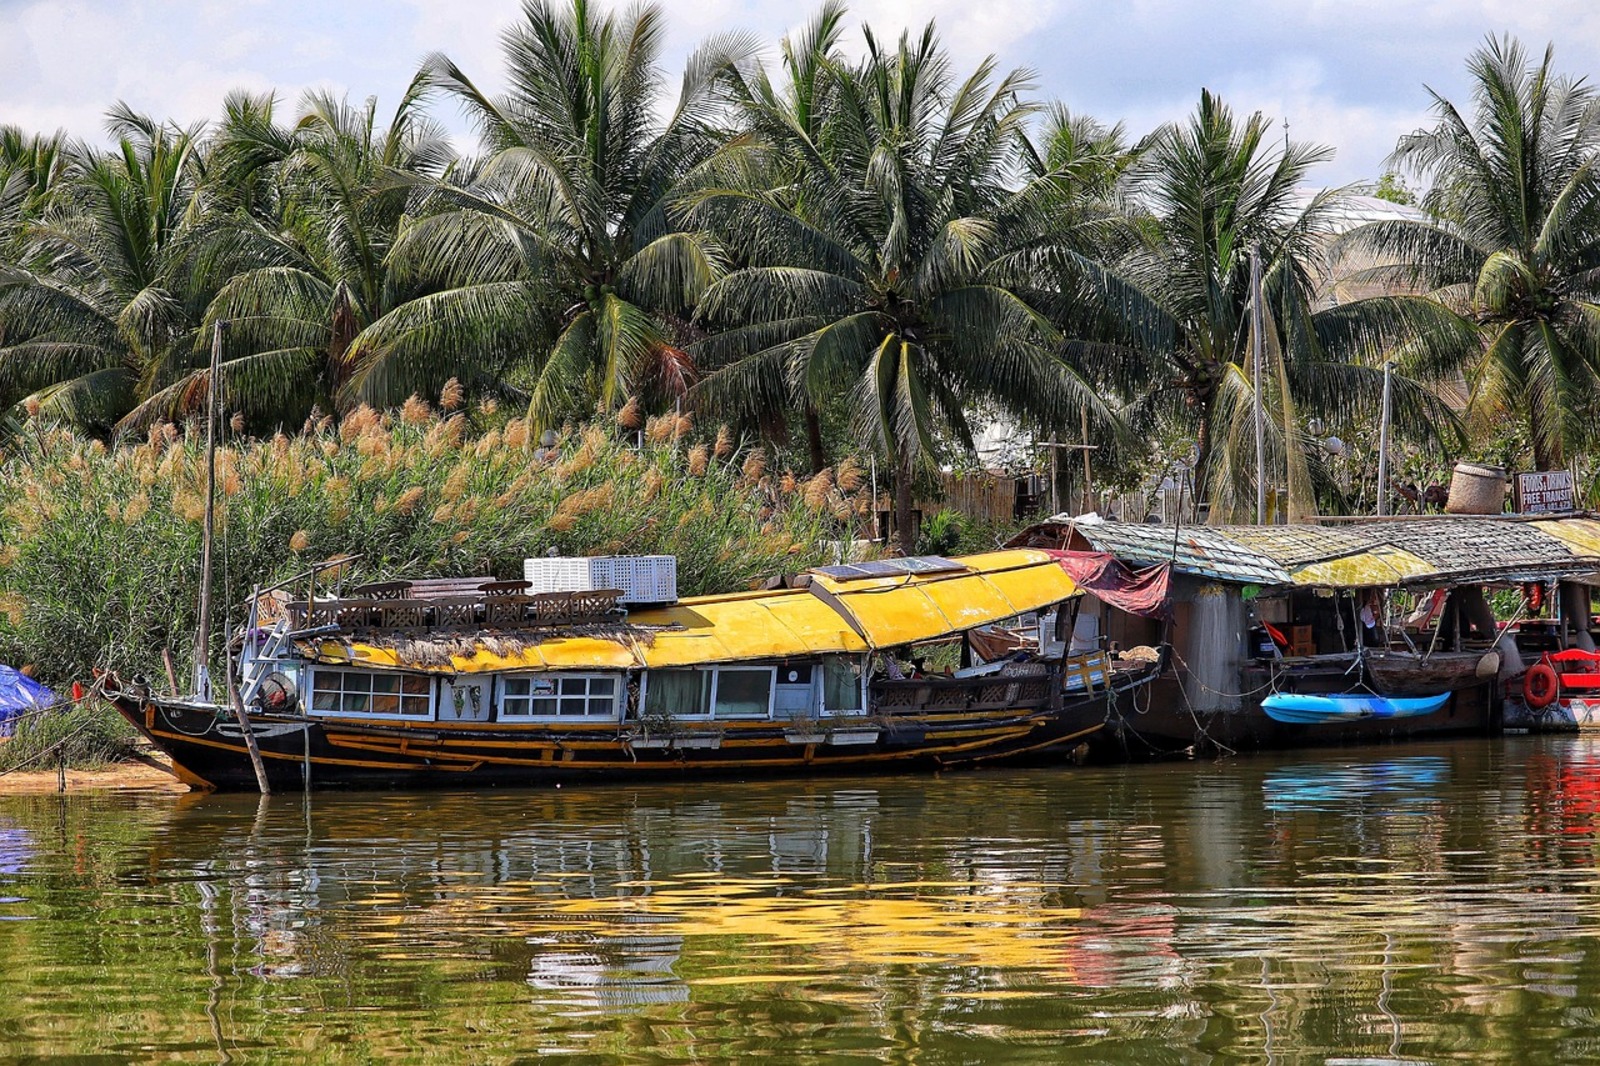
[[1419, 551], [1205, 551]]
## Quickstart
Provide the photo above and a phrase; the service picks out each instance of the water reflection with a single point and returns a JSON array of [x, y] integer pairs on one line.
[[1394, 904]]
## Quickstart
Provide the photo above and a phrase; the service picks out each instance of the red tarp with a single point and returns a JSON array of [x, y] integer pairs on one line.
[[1141, 592]]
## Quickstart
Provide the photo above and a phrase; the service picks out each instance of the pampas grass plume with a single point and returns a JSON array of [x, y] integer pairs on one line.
[[755, 465], [629, 417], [415, 411], [452, 395], [409, 499]]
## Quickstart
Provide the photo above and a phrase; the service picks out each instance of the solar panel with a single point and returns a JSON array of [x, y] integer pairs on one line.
[[911, 564]]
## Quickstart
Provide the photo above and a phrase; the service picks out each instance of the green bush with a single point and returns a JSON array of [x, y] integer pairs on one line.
[[89, 734]]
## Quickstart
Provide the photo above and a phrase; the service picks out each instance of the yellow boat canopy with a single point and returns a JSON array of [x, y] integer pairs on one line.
[[847, 610]]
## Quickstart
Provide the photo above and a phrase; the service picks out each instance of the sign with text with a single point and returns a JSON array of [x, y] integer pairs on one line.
[[1547, 492]]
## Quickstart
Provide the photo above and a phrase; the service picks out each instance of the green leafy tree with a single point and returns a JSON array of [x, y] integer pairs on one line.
[[98, 292], [1218, 187], [891, 263], [556, 248], [295, 244], [1514, 243]]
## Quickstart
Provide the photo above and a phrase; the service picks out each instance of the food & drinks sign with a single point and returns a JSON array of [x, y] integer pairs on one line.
[[1547, 492]]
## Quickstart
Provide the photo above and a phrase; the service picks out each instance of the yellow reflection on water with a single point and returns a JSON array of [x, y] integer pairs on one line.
[[1002, 926]]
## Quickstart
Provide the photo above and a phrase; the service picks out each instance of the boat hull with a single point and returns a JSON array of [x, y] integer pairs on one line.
[[208, 749], [1166, 723]]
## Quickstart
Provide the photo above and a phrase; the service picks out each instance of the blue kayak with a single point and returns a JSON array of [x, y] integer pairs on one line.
[[1300, 709]]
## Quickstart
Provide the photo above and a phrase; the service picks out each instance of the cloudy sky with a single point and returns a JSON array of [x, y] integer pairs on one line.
[[1349, 74]]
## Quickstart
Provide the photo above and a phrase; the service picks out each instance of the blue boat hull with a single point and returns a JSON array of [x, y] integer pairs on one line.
[[1297, 709]]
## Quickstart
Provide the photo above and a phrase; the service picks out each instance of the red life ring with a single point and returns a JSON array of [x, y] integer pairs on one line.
[[1541, 686], [1533, 593]]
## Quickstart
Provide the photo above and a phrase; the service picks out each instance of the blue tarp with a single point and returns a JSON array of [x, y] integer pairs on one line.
[[19, 693]]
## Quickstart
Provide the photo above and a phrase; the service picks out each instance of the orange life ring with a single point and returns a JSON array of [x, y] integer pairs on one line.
[[1541, 686]]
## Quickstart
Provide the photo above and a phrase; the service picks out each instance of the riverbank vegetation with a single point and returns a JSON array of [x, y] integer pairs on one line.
[[743, 296], [100, 546]]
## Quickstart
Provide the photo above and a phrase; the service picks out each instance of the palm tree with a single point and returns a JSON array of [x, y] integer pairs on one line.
[[1514, 242], [33, 170], [298, 228], [1216, 188], [888, 264], [97, 293], [557, 248]]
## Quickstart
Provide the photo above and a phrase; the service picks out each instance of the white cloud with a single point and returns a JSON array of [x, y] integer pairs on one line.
[[1348, 73]]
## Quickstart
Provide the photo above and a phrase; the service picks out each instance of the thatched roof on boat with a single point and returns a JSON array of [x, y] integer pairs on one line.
[[841, 610], [1415, 551]]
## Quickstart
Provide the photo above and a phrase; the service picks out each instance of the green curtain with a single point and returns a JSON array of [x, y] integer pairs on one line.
[[841, 684], [675, 692]]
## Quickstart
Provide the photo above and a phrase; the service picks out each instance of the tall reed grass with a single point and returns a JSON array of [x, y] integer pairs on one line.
[[100, 547]]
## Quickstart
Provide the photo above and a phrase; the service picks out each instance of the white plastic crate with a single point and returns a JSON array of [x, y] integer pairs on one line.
[[642, 578], [560, 574]]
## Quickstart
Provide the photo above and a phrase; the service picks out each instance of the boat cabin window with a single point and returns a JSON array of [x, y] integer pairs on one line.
[[368, 692], [743, 693], [841, 684], [726, 692], [560, 696]]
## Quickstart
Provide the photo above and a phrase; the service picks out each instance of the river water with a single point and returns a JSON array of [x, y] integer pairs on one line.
[[1396, 904]]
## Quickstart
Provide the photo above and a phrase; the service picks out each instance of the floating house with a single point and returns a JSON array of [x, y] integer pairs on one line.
[[1305, 634]]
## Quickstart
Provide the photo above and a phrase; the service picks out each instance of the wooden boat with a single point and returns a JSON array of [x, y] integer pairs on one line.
[[439, 684], [1298, 709]]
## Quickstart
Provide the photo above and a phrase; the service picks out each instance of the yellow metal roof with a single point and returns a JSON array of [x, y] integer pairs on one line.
[[835, 616], [890, 611]]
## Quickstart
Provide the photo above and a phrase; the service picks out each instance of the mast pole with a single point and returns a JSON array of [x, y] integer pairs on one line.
[[1090, 501], [1383, 439], [1256, 353], [202, 637]]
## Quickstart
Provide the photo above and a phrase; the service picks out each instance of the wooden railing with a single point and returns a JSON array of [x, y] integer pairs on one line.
[[447, 605]]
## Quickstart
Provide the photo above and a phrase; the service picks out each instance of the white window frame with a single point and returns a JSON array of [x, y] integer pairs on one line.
[[618, 689], [862, 693], [716, 684], [318, 671]]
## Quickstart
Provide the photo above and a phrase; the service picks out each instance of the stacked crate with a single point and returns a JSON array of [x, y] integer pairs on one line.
[[641, 579]]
